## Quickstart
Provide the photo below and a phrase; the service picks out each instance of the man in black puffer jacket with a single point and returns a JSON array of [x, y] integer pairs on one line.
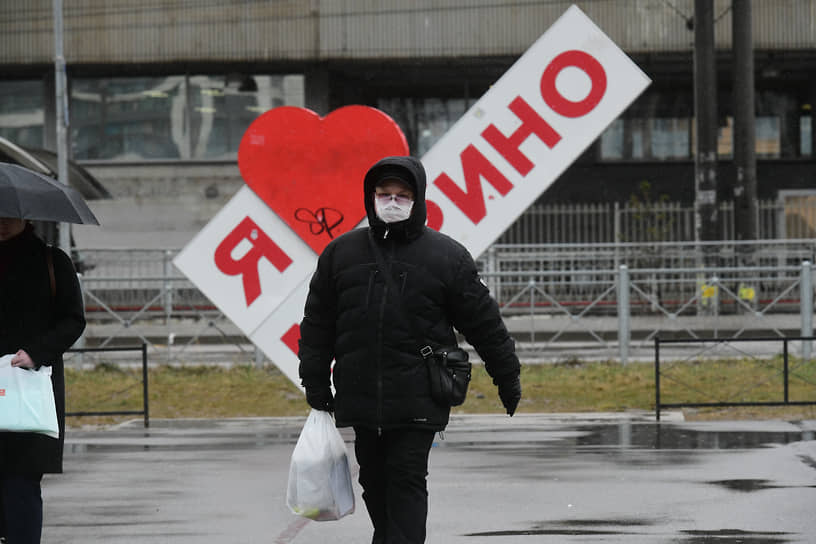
[[381, 381]]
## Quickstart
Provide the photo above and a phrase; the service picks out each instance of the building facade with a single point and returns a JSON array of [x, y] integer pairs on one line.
[[161, 92]]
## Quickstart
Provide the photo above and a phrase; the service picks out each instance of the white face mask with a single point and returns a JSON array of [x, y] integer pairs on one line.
[[392, 210]]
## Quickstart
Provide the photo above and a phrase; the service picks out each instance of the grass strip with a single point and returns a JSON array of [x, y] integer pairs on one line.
[[575, 386]]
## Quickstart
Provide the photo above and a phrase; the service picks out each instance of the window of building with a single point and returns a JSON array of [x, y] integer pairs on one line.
[[656, 127], [669, 138], [768, 137], [611, 147], [646, 139], [183, 117], [654, 130], [424, 120], [800, 213], [129, 118], [805, 136], [22, 112]]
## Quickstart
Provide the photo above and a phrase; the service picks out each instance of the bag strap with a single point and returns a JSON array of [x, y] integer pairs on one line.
[[424, 349], [49, 259]]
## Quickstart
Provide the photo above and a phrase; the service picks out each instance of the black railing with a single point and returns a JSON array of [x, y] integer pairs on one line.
[[145, 411], [785, 401]]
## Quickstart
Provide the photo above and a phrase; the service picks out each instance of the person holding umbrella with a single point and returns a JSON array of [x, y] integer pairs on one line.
[[41, 316]]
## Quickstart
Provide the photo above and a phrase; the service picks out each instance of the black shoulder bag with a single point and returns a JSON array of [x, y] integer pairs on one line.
[[448, 367]]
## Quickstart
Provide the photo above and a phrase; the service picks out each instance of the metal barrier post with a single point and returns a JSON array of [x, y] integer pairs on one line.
[[145, 394], [715, 282], [531, 285], [168, 285], [624, 328], [616, 234], [785, 367], [81, 341], [259, 357], [806, 307], [493, 279], [657, 377]]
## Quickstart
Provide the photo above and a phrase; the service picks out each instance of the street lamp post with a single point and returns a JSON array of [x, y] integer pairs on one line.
[[62, 117]]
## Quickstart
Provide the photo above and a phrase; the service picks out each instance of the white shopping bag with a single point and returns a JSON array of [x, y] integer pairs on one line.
[[27, 400], [319, 475]]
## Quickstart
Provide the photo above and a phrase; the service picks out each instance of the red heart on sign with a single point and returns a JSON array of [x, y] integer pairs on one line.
[[310, 170]]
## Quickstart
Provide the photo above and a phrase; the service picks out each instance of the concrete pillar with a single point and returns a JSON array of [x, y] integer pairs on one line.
[[705, 112], [316, 89], [746, 214]]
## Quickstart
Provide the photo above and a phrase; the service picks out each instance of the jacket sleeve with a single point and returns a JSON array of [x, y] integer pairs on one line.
[[68, 314], [317, 330], [476, 315]]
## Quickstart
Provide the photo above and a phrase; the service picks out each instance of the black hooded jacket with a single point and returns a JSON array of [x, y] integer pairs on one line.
[[381, 380]]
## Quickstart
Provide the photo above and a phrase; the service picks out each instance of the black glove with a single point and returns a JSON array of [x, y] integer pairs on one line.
[[320, 398], [510, 393]]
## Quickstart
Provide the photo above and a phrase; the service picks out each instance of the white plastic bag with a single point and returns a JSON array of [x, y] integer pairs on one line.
[[319, 475], [27, 400]]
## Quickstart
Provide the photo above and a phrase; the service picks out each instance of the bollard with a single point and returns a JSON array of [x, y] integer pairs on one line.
[[259, 357], [624, 329], [168, 285], [81, 342], [806, 307]]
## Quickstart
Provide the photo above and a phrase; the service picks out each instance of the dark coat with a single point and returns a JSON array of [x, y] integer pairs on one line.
[[45, 327], [381, 381]]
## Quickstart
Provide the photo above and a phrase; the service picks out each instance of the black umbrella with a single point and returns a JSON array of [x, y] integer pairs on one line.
[[29, 195]]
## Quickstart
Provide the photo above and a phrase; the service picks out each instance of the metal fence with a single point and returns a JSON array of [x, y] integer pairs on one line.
[[616, 314], [670, 272], [753, 392], [107, 352], [647, 221], [594, 281], [559, 300]]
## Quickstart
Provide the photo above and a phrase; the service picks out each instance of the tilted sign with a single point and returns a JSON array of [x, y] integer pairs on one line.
[[482, 174]]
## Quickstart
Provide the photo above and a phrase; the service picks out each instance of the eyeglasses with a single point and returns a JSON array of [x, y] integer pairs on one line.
[[386, 198]]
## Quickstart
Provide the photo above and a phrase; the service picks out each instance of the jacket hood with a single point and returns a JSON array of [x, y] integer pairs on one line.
[[411, 171]]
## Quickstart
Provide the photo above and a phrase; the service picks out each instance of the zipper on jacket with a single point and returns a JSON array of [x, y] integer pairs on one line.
[[403, 277], [371, 279], [380, 320]]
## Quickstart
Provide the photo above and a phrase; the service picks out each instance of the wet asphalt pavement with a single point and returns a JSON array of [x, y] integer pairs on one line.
[[619, 478]]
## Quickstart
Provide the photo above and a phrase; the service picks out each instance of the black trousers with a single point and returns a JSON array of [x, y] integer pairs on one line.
[[21, 508], [393, 471]]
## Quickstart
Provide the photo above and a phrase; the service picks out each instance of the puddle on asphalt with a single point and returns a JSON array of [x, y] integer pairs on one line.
[[676, 440], [669, 438], [636, 528], [575, 527], [198, 442], [661, 436], [734, 536], [622, 436], [749, 485], [651, 436]]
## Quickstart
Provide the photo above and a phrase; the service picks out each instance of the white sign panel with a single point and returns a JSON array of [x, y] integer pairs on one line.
[[491, 166], [527, 129], [277, 337], [246, 260]]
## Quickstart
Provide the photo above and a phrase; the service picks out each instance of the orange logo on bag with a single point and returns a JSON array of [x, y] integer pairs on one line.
[[2, 392]]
